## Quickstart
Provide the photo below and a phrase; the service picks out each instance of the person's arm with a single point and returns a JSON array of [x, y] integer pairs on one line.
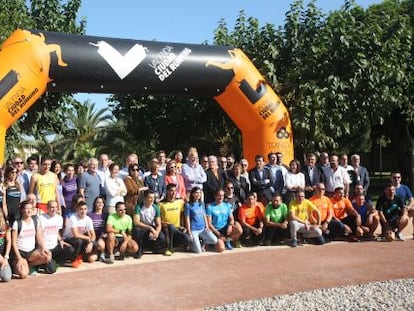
[[7, 250], [188, 225], [4, 203], [40, 241], [57, 196], [33, 183]]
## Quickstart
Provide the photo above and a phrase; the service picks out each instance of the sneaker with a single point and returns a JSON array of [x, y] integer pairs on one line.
[[294, 243], [32, 271], [353, 238], [77, 262], [111, 259], [237, 244], [228, 245], [399, 236], [167, 253], [267, 243], [102, 257], [117, 254]]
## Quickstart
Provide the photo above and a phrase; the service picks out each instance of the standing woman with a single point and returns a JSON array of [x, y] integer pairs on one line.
[[11, 195], [135, 188], [294, 181], [5, 248], [114, 188], [173, 177], [69, 188]]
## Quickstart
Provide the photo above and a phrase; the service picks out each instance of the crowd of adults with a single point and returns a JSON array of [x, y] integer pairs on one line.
[[54, 214]]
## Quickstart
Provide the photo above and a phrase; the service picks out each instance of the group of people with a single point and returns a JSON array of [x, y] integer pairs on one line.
[[54, 214]]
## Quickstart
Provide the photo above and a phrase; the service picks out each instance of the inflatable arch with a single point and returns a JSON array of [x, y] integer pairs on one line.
[[33, 62]]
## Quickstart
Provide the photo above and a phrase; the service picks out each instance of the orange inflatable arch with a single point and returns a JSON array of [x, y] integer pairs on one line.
[[33, 62]]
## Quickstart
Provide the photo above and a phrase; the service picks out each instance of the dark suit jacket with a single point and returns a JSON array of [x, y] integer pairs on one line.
[[241, 187], [261, 185], [212, 185], [363, 179]]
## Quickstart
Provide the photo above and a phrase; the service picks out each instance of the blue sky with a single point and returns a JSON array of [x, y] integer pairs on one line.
[[179, 21]]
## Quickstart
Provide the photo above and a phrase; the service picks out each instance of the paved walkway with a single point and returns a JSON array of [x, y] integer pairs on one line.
[[187, 281]]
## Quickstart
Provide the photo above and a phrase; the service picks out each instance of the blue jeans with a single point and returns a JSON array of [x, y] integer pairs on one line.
[[5, 273], [208, 237]]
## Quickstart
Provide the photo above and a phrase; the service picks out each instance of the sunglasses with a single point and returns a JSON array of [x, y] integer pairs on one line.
[[172, 167], [135, 169], [18, 162]]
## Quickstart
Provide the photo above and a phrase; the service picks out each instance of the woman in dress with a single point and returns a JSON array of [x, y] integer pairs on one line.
[[11, 194]]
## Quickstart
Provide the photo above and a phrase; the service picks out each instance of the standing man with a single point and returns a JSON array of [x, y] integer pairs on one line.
[[103, 171], [359, 174], [336, 176], [89, 183], [215, 179], [193, 173], [18, 164], [45, 184], [261, 180], [31, 168], [313, 175], [277, 171]]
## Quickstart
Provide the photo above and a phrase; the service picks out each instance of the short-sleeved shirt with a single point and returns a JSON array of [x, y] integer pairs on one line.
[[324, 205], [50, 227], [219, 214], [391, 208], [404, 193], [98, 221], [276, 214], [91, 184], [171, 212], [120, 223], [196, 211], [148, 214], [84, 225], [340, 207], [26, 239], [302, 210], [250, 214]]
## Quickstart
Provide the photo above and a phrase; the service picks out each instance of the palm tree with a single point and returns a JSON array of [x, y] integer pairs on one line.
[[84, 123]]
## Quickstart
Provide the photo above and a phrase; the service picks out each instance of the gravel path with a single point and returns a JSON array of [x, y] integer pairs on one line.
[[389, 295]]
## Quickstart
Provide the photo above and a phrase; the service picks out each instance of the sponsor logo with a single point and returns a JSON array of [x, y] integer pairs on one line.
[[267, 109], [19, 99], [166, 62], [123, 65]]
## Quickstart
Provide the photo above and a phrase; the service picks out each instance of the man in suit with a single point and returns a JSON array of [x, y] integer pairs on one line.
[[313, 175], [278, 172], [261, 180], [360, 173]]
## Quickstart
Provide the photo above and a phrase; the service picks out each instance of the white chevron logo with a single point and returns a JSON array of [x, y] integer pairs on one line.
[[121, 64]]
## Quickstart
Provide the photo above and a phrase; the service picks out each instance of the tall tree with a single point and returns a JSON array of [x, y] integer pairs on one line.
[[52, 15]]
